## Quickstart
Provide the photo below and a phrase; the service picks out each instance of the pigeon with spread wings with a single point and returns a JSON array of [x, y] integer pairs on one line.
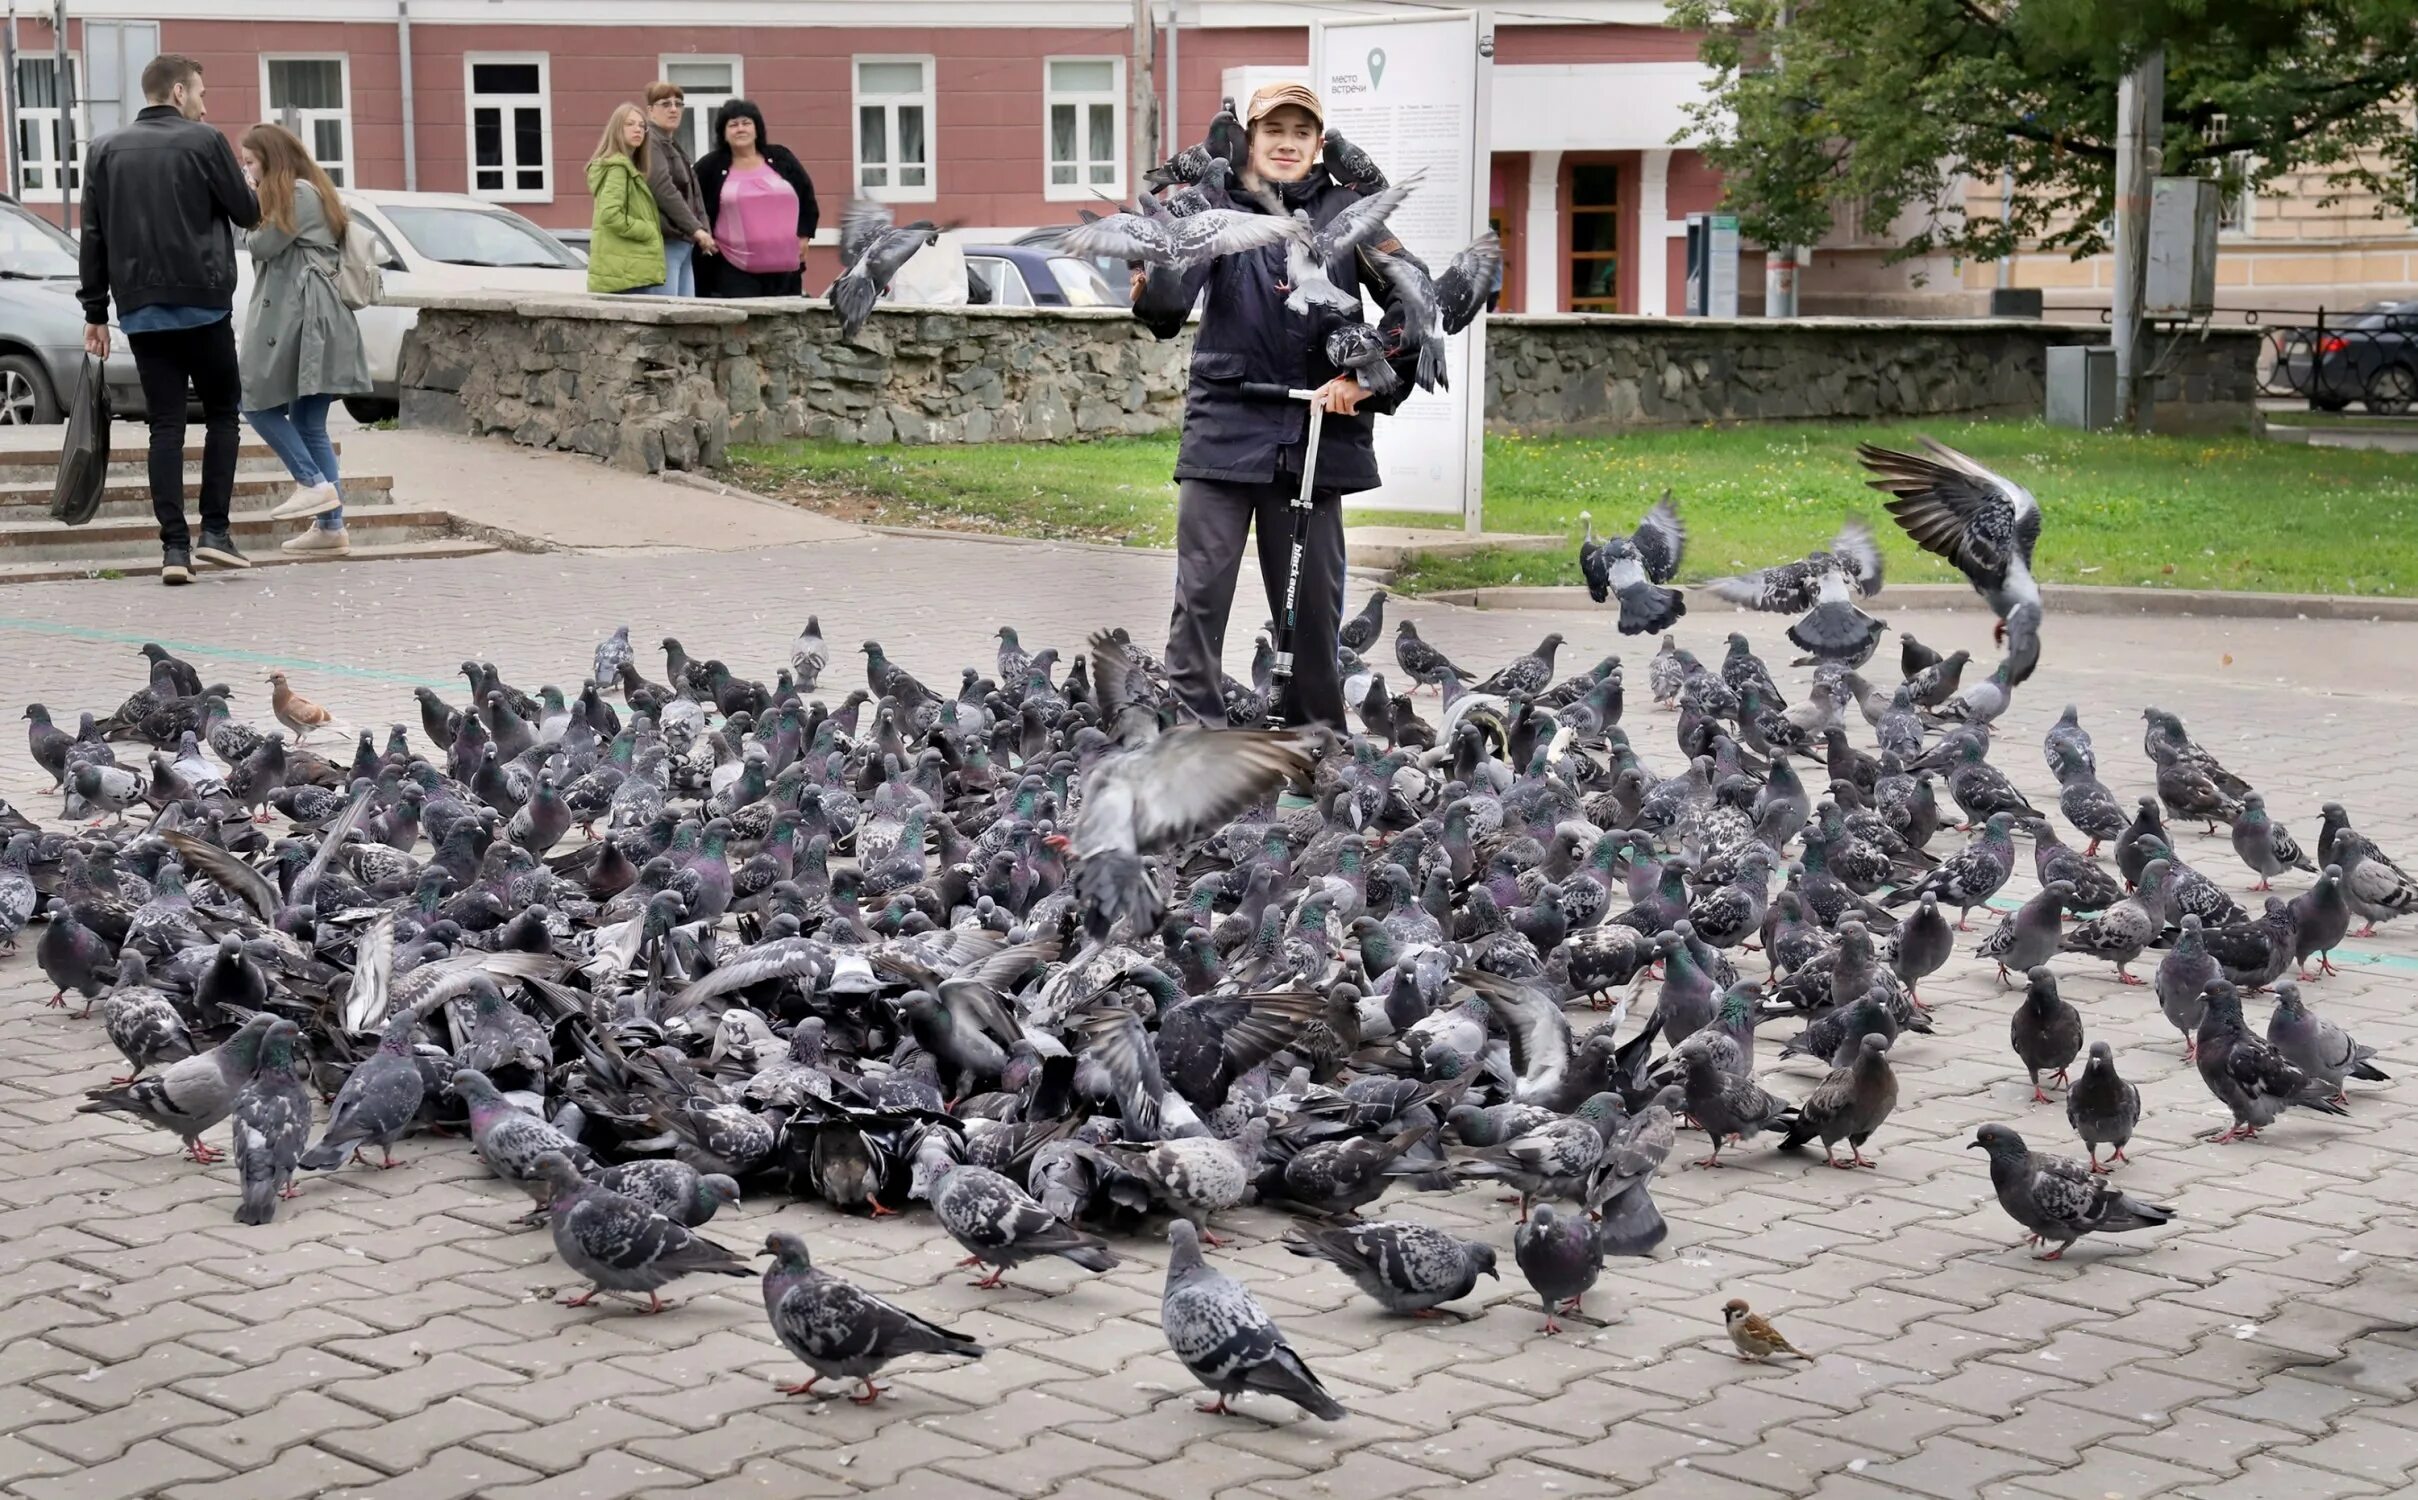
[[1154, 239], [873, 249], [1824, 587], [1983, 522], [1636, 566], [1159, 788]]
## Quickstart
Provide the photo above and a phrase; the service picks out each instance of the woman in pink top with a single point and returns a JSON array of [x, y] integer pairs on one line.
[[761, 206]]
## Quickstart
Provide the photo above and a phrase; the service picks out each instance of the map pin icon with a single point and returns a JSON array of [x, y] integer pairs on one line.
[[1376, 66]]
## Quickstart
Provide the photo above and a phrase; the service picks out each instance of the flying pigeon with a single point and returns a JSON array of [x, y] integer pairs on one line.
[[1636, 567], [873, 249], [1984, 523], [1823, 587]]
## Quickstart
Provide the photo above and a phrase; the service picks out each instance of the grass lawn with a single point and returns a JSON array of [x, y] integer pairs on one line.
[[2229, 513]]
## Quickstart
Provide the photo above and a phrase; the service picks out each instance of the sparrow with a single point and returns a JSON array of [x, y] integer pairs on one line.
[[1755, 1337]]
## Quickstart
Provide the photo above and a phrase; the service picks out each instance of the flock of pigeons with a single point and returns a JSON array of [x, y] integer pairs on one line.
[[1037, 957]]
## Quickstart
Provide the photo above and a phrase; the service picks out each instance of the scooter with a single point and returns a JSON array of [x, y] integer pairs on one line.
[[1280, 675]]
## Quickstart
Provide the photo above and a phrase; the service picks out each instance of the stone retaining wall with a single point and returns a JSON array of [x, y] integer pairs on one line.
[[651, 384]]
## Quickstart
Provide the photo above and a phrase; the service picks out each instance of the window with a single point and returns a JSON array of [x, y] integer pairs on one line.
[[1086, 108], [309, 96], [477, 237], [1594, 238], [894, 128], [38, 136], [511, 154], [2233, 180], [707, 83]]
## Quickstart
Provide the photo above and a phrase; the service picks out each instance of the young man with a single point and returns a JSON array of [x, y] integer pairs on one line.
[[162, 200]]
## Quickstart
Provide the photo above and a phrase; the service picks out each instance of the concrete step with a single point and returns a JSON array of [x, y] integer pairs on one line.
[[135, 542], [31, 454], [70, 569], [130, 499]]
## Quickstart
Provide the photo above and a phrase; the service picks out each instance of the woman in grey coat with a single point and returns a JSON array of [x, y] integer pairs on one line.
[[301, 346], [673, 179]]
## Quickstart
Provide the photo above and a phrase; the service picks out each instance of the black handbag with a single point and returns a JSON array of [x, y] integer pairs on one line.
[[84, 460]]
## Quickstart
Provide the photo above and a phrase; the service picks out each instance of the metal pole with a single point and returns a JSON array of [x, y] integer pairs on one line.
[[1138, 93], [8, 65], [1175, 31], [2006, 215], [2140, 129], [64, 92], [411, 136], [1780, 262]]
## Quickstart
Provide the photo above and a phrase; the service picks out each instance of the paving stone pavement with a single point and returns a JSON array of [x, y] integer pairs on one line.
[[392, 1333]]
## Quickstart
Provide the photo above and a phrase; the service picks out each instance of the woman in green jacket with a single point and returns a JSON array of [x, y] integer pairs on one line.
[[625, 253]]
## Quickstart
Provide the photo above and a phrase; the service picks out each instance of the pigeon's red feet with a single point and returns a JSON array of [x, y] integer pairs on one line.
[[870, 1394], [204, 1155], [59, 1000], [874, 1209], [654, 1304], [1217, 1408], [2092, 850], [582, 1300], [1713, 1160], [2367, 931], [2038, 1097], [2124, 978], [119, 1083], [992, 1281], [2056, 1254], [971, 1260], [1550, 1326], [1844, 1166], [1861, 1160], [803, 1388]]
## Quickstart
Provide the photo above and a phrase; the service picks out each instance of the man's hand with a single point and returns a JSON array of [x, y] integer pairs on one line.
[[1141, 279], [96, 340], [703, 239], [1342, 395]]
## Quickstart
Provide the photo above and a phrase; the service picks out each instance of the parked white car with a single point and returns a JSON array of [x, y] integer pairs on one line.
[[434, 243]]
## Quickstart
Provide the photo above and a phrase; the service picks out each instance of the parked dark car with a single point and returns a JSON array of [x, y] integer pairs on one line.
[[2370, 357], [1031, 275], [42, 324]]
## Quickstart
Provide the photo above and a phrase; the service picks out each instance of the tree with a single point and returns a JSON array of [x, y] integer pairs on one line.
[[1890, 105]]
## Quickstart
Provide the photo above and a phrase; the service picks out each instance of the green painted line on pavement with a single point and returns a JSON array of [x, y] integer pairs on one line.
[[216, 652]]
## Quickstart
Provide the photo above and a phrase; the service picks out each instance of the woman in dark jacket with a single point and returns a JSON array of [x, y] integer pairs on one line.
[[1240, 460], [758, 251]]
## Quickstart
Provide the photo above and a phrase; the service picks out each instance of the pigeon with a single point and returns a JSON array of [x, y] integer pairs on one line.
[[1351, 166], [2264, 845], [1157, 788], [672, 1188], [2251, 1077], [808, 656], [142, 1022], [1226, 143], [2124, 929], [873, 249], [17, 894], [188, 1097], [378, 1103], [1423, 663], [2184, 975], [2056, 1197], [612, 654], [2316, 1045], [1972, 875], [1151, 238], [293, 710], [1404, 1267], [1724, 1105], [2321, 917], [1753, 1336], [1636, 567], [108, 789], [1468, 282], [1310, 248], [2030, 935], [619, 1244], [2046, 1031], [1197, 1176], [1526, 676], [1555, 1160], [2102, 1107], [1361, 349], [511, 1140], [1823, 587], [1226, 1339], [1338, 1178], [1561, 1257], [1984, 523], [1001, 1226], [840, 1331], [72, 957], [1848, 1105], [1922, 943], [1361, 630], [2373, 886], [270, 1121]]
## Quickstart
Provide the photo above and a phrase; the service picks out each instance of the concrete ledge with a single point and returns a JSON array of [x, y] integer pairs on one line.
[[2069, 598], [1393, 546], [663, 311]]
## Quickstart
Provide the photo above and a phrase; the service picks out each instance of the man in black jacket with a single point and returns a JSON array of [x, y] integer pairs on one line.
[[162, 199], [1240, 461]]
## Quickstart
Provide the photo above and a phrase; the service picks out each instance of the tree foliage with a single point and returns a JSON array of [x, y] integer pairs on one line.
[[1884, 106]]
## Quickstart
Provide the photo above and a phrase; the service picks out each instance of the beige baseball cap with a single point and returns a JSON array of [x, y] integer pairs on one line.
[[1277, 95]]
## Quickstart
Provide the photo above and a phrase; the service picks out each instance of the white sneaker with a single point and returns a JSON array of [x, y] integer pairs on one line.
[[317, 542], [307, 500]]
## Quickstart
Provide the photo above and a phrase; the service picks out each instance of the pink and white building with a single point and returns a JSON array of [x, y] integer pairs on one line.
[[1000, 115]]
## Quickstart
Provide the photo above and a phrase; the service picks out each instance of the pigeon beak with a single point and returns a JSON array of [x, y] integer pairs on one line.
[[1973, 1146]]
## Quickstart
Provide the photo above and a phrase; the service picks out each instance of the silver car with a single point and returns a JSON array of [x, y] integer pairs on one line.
[[42, 325]]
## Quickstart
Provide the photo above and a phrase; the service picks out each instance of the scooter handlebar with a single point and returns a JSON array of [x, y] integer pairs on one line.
[[1269, 390]]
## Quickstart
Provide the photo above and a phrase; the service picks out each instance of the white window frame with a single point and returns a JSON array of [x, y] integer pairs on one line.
[[47, 119], [703, 116], [343, 116], [472, 102], [1082, 189], [893, 193]]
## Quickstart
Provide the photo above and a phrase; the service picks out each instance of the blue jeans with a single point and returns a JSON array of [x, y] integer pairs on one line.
[[679, 268], [297, 432]]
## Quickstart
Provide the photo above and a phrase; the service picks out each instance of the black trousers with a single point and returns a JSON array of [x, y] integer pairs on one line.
[[204, 359], [1212, 518]]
